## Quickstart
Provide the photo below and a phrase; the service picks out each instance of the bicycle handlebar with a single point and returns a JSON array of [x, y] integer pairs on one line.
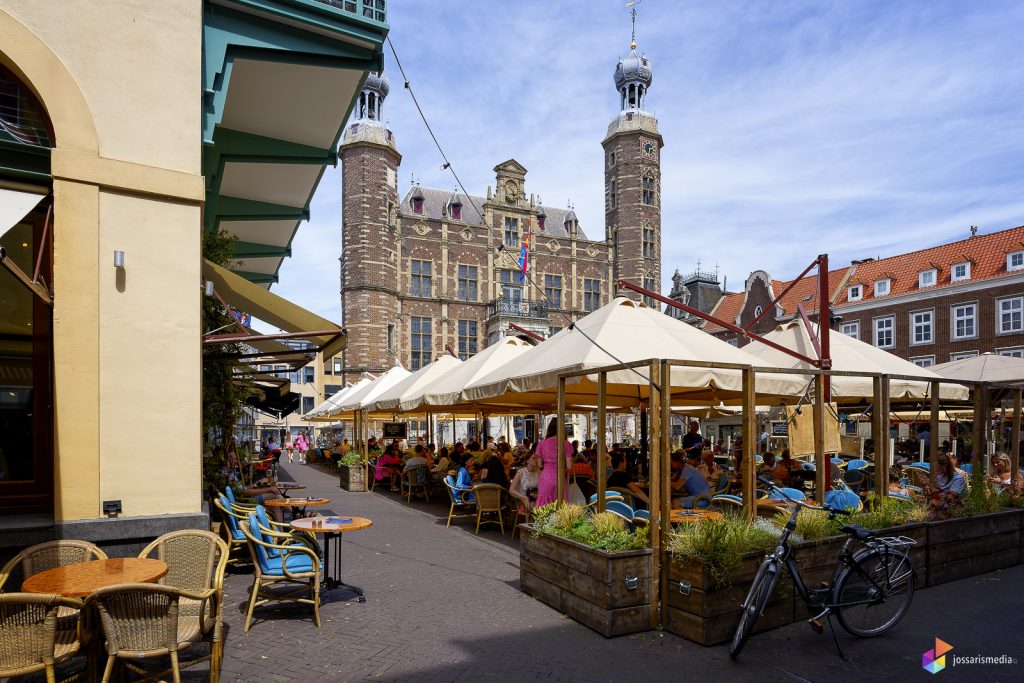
[[830, 510]]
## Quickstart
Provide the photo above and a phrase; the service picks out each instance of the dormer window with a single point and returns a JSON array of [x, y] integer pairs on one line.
[[855, 293], [456, 212], [926, 278], [961, 272], [541, 219], [882, 287], [417, 205], [1015, 260]]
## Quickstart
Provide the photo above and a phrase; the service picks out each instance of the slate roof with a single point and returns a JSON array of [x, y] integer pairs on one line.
[[435, 201], [986, 254]]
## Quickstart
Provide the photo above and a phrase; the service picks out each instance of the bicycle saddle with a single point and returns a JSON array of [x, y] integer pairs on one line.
[[857, 531]]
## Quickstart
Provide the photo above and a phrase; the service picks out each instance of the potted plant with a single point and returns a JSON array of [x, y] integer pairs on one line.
[[589, 567], [352, 472]]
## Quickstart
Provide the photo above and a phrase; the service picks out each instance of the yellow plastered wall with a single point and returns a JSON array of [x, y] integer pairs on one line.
[[121, 83]]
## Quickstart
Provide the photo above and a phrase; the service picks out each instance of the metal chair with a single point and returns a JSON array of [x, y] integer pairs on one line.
[[32, 636], [44, 556], [196, 561], [488, 498], [294, 564]]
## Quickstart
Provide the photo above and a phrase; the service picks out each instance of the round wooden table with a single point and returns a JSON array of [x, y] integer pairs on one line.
[[296, 503], [332, 531], [690, 516], [83, 578], [289, 485]]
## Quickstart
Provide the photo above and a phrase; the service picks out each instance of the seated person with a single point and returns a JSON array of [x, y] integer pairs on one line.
[[1000, 476], [493, 472], [419, 459], [463, 479], [262, 491], [947, 480], [526, 479], [505, 454], [389, 464], [441, 465], [620, 479], [687, 482], [580, 466], [767, 465], [709, 469], [787, 470]]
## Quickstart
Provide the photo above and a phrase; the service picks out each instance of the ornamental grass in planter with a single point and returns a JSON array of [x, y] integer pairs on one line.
[[589, 567]]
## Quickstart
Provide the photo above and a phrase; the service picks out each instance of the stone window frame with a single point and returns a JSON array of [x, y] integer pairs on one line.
[[613, 189], [649, 195], [553, 293], [591, 294], [511, 230], [649, 282], [463, 283], [512, 283], [468, 339], [421, 341], [953, 320], [647, 246], [930, 327], [421, 281]]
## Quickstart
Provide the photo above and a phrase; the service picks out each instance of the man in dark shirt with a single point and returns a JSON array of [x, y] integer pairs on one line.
[[693, 442], [620, 479]]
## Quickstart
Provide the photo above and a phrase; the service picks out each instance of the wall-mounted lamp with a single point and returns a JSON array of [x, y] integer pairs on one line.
[[208, 288], [118, 259]]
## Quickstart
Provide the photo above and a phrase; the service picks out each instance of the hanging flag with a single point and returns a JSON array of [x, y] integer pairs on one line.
[[244, 318], [524, 255]]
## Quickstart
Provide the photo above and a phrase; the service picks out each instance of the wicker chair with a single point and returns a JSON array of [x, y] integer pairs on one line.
[[39, 558], [294, 564], [232, 529], [196, 561], [489, 499], [143, 620], [460, 498], [415, 481], [30, 637]]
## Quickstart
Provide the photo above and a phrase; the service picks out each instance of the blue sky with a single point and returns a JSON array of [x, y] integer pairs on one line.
[[855, 128]]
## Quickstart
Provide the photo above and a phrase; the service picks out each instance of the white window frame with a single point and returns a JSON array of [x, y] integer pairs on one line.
[[892, 329], [1012, 351], [854, 326], [923, 361], [920, 278], [953, 277], [1000, 329], [860, 292], [1010, 266], [914, 324], [962, 355], [952, 321], [886, 284]]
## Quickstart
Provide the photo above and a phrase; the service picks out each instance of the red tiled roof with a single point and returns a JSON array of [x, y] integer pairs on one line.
[[804, 292], [986, 253]]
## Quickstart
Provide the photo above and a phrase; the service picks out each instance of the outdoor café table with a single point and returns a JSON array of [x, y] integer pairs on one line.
[[285, 486], [83, 578], [296, 503], [332, 529], [690, 516]]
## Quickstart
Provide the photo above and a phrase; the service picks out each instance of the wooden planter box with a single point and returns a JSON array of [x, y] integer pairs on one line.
[[707, 615], [968, 546], [352, 477], [610, 592]]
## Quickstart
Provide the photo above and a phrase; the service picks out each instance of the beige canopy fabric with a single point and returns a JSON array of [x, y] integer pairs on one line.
[[988, 367], [250, 298], [444, 392], [851, 355], [624, 331], [359, 400], [338, 398], [413, 385]]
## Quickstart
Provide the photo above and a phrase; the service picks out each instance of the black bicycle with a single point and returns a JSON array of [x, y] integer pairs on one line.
[[870, 590]]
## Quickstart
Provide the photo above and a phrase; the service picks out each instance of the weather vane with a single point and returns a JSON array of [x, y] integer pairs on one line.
[[632, 13]]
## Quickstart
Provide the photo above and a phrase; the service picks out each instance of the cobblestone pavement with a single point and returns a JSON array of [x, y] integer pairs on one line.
[[445, 605]]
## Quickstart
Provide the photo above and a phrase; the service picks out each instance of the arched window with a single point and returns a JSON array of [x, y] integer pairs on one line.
[[757, 311], [26, 316]]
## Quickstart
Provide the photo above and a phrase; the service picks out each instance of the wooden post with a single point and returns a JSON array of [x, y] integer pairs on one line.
[[602, 448], [654, 463], [879, 432], [1015, 446], [665, 420], [560, 416], [980, 418], [933, 438], [819, 438], [883, 491], [749, 445]]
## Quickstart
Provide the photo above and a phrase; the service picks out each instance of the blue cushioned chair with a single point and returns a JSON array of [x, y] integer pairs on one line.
[[460, 499], [795, 494], [966, 467], [855, 479], [726, 500], [901, 496], [641, 516], [855, 464], [621, 509], [295, 564], [808, 466], [839, 463], [843, 500], [230, 524], [608, 495]]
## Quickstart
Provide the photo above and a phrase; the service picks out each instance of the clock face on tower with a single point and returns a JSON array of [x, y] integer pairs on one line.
[[648, 148]]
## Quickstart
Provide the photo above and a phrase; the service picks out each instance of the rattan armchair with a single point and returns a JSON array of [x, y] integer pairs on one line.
[[415, 481], [295, 564], [231, 525], [489, 499], [39, 558], [144, 620], [196, 561], [30, 639]]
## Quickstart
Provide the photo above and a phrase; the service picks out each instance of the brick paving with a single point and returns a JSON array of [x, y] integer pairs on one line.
[[445, 605]]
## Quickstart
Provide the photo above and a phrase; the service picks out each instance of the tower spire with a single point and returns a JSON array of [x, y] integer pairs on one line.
[[632, 14]]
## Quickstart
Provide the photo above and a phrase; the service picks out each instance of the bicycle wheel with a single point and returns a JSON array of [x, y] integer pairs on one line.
[[764, 583], [880, 586]]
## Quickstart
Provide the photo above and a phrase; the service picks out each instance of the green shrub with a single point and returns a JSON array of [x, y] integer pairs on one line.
[[721, 544], [981, 498], [811, 525], [351, 459], [603, 531], [880, 513]]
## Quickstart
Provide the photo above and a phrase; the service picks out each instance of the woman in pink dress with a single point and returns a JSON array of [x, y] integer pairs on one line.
[[547, 486]]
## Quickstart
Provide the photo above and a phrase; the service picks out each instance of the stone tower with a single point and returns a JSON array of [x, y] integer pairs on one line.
[[369, 261], [632, 175]]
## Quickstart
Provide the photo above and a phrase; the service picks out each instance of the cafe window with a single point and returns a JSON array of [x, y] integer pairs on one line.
[[467, 338], [467, 283], [553, 290], [422, 342], [421, 277]]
